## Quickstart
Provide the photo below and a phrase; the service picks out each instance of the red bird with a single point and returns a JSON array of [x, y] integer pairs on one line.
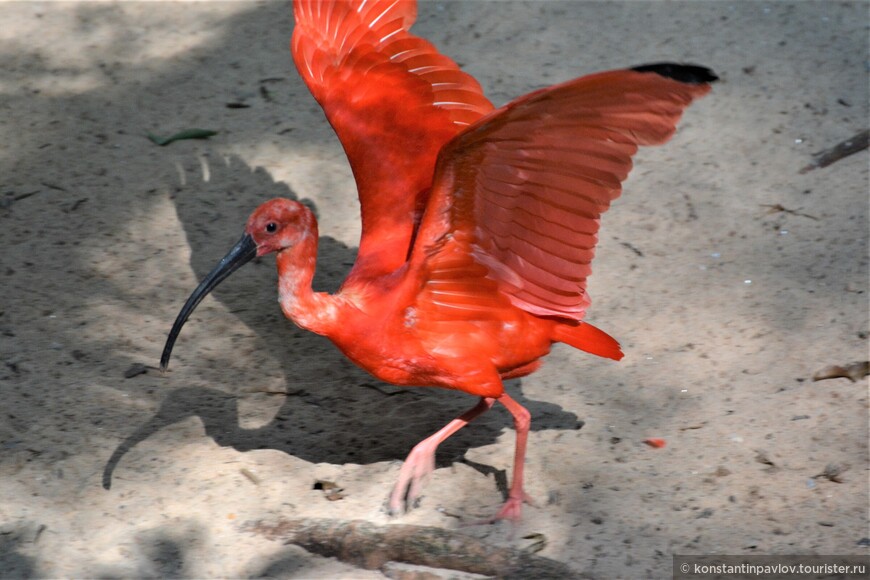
[[478, 224]]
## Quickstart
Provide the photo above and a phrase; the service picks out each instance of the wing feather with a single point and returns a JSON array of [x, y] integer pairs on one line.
[[521, 192], [393, 101]]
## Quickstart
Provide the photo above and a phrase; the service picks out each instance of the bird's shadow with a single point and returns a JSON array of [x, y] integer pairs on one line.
[[332, 411]]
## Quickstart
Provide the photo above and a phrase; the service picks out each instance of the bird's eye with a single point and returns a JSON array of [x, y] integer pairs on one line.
[[271, 227]]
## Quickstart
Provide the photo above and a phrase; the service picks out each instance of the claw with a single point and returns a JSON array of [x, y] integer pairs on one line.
[[413, 476]]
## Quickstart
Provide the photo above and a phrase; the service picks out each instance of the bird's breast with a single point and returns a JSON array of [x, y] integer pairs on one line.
[[405, 346]]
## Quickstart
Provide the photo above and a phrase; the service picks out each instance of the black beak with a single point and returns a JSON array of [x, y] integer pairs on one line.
[[242, 253]]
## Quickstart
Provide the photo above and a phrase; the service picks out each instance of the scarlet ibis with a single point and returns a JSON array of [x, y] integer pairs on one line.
[[478, 224]]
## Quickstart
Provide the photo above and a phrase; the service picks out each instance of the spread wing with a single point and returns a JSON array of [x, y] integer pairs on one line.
[[393, 100], [519, 195]]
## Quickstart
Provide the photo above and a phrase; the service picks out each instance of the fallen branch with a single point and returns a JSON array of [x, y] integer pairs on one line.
[[371, 546]]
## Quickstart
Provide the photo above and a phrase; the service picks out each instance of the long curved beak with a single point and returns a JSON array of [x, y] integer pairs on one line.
[[242, 253]]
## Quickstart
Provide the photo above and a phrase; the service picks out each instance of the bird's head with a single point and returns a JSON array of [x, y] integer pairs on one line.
[[277, 225]]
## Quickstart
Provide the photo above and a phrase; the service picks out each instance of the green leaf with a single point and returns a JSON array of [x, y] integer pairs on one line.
[[186, 134]]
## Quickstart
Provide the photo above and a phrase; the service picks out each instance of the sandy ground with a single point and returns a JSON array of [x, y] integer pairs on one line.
[[725, 304]]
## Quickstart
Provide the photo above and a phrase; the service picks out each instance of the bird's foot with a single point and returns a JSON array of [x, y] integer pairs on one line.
[[413, 476], [511, 510]]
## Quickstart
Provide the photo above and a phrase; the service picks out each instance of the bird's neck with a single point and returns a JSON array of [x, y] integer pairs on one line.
[[314, 311]]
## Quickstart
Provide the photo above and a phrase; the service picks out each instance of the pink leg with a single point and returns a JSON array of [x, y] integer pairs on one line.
[[421, 461], [513, 507]]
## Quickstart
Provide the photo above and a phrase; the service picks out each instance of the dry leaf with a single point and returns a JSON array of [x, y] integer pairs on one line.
[[854, 372]]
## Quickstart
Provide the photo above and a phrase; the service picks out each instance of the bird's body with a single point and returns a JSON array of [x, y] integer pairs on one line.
[[461, 333], [478, 224]]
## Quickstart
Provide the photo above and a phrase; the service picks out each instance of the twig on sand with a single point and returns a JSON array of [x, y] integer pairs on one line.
[[371, 546], [854, 144], [778, 207]]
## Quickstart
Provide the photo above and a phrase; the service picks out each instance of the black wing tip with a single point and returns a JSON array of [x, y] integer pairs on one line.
[[691, 74]]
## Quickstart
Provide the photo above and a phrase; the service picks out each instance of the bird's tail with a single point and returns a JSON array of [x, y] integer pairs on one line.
[[588, 338]]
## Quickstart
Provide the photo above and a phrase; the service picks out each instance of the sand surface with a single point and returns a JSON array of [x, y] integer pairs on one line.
[[728, 277]]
